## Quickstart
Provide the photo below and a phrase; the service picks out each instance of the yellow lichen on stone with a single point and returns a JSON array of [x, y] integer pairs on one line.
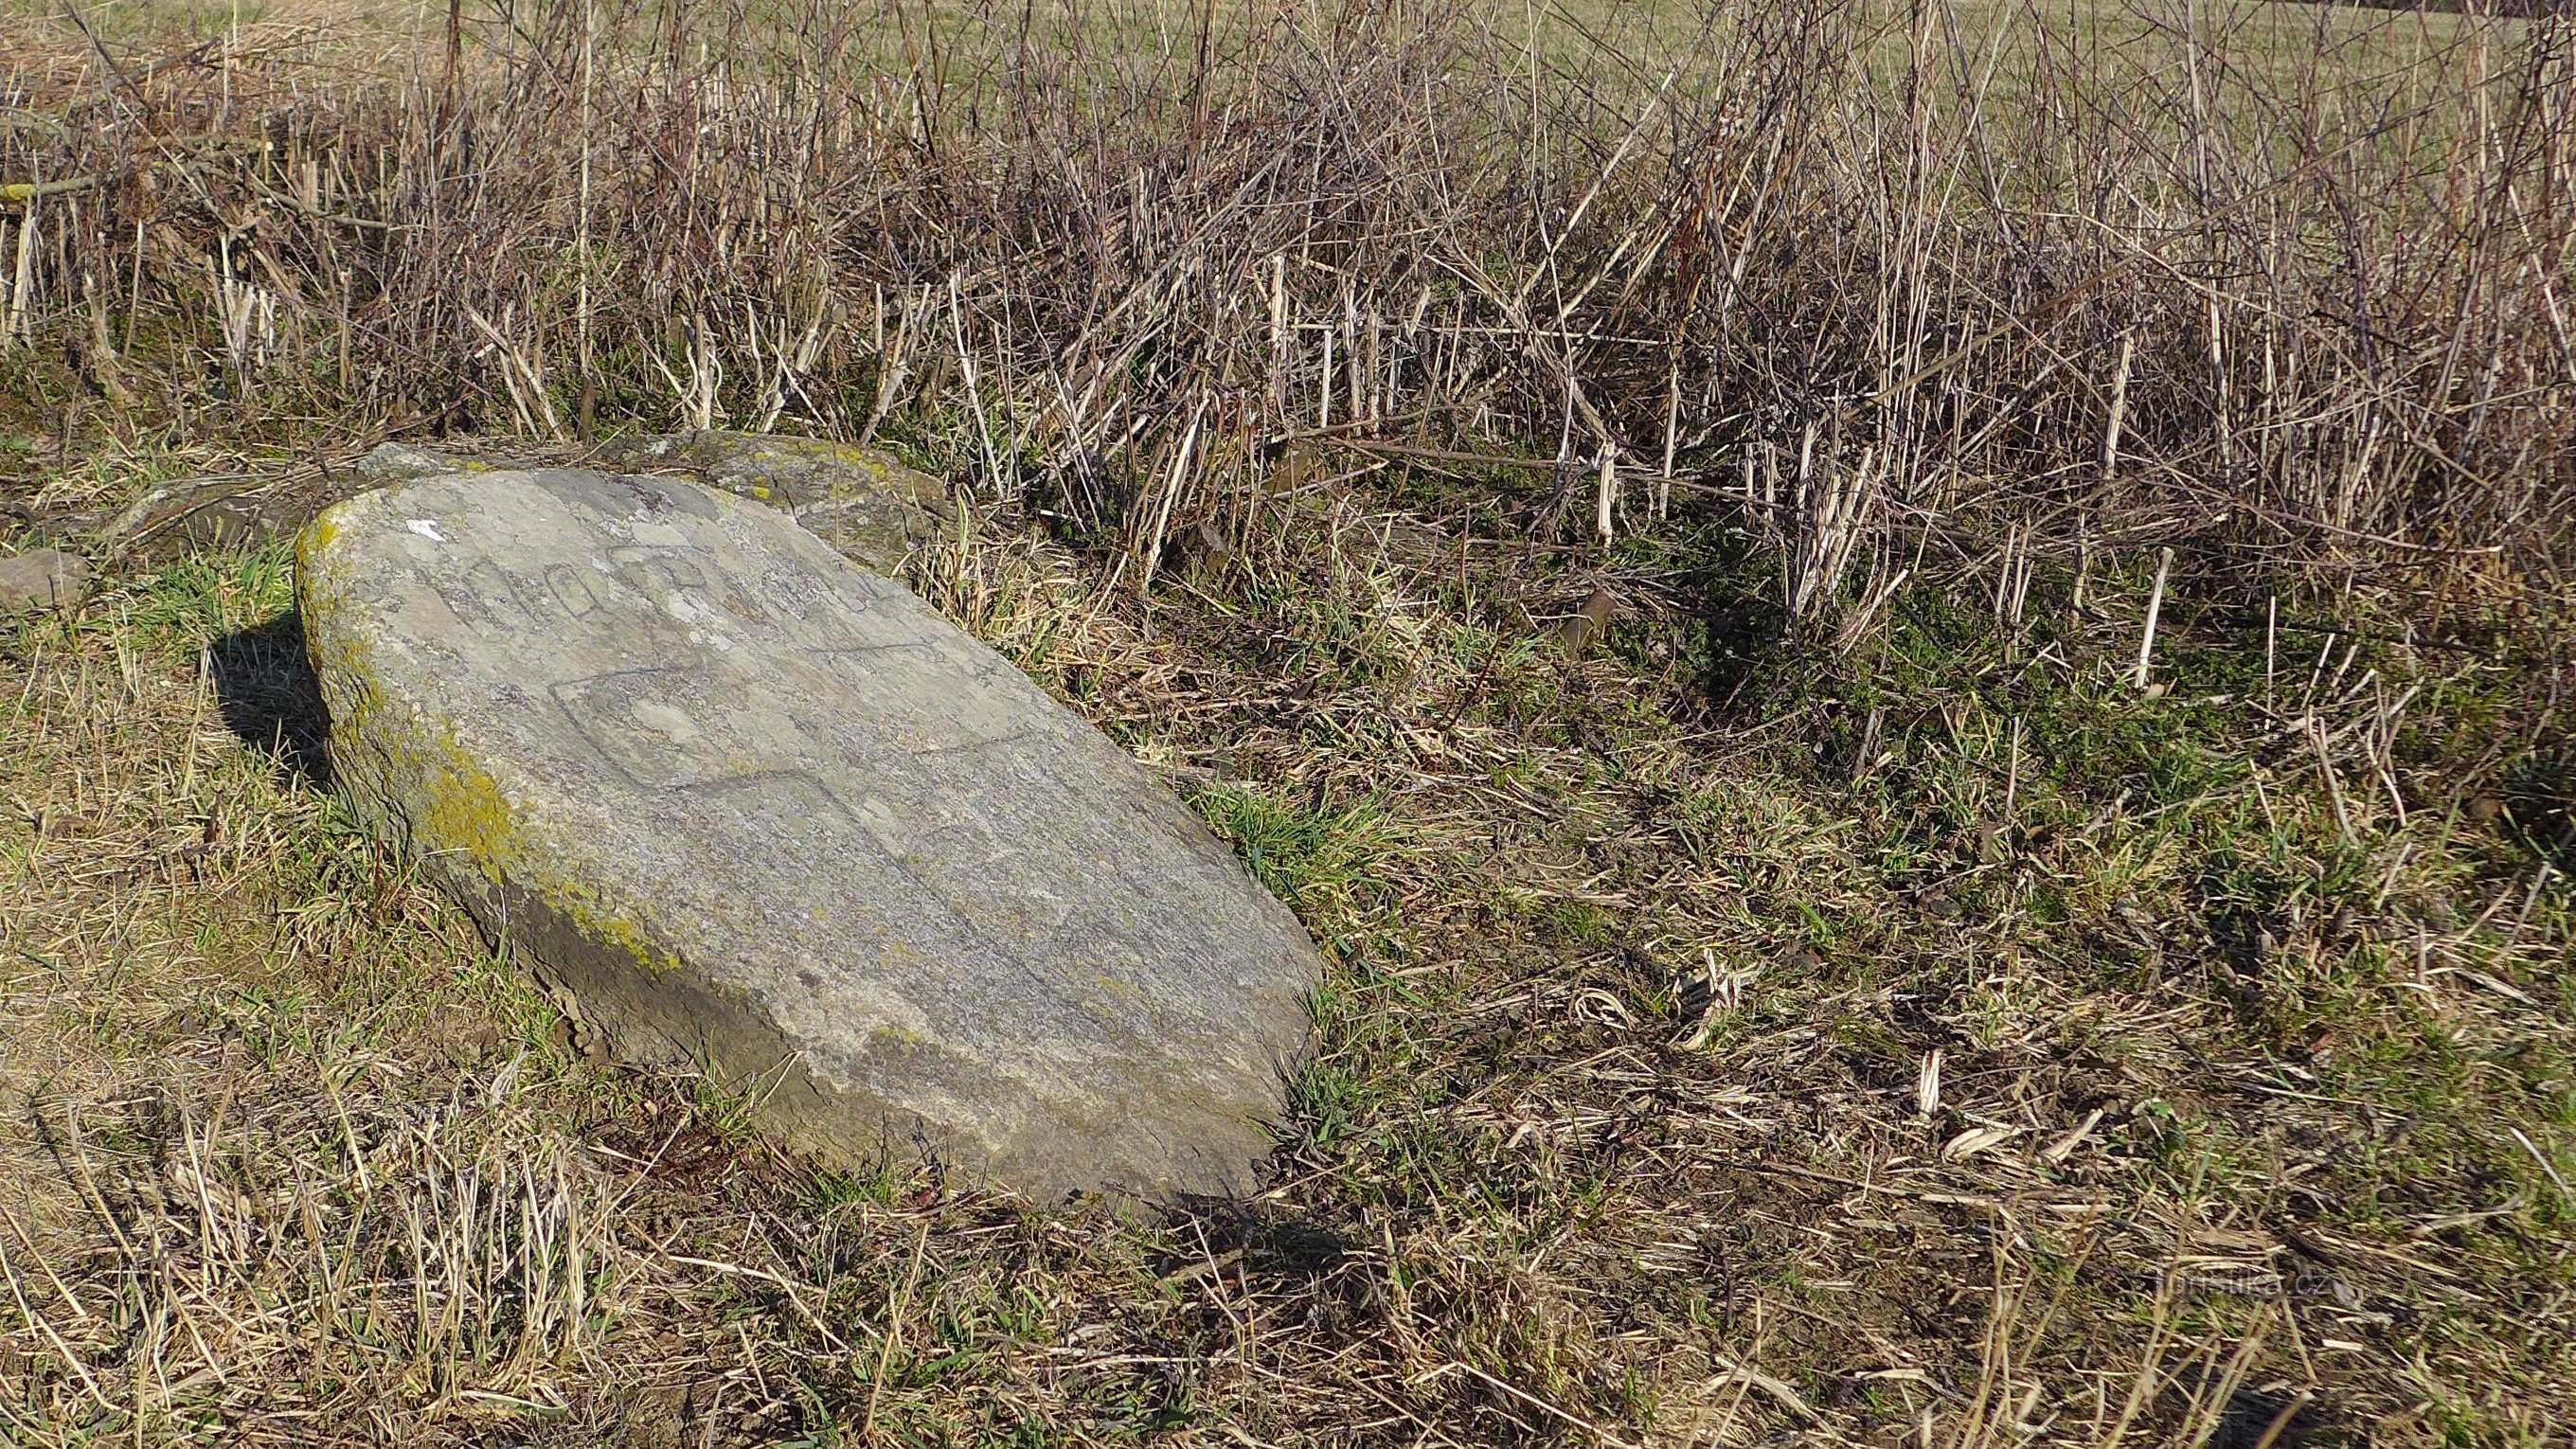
[[421, 788], [316, 536], [462, 810], [465, 816]]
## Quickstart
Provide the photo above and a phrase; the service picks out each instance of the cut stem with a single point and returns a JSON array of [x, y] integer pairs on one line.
[[2155, 607]]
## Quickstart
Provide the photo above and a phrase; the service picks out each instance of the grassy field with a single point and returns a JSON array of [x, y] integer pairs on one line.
[[1896, 1022], [1954, 1051]]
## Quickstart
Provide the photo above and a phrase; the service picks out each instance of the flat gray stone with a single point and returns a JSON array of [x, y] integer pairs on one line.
[[860, 500], [232, 511], [213, 514], [744, 805], [41, 579], [393, 462]]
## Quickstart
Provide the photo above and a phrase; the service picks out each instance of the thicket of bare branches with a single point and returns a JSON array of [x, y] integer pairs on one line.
[[1878, 279]]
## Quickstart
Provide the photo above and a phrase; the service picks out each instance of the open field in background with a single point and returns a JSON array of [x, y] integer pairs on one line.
[[1664, 31], [1654, 571]]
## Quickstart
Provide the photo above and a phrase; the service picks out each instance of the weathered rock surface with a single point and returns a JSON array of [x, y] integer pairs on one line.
[[242, 510], [859, 500], [743, 804], [873, 509], [41, 579], [225, 512], [394, 462]]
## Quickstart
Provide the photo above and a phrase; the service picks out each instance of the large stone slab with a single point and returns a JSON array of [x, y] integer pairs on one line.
[[745, 805]]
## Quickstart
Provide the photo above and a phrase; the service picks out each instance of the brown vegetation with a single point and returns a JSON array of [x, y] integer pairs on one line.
[[1877, 279]]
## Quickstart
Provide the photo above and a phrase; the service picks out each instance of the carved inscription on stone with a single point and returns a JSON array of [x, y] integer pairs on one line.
[[851, 859]]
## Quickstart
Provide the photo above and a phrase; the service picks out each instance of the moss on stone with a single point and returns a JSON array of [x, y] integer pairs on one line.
[[421, 789]]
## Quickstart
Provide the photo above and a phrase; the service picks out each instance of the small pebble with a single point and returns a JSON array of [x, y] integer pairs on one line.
[[41, 579]]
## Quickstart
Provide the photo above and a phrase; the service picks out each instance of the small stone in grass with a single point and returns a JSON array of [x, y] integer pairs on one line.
[[41, 579], [207, 514], [1578, 633]]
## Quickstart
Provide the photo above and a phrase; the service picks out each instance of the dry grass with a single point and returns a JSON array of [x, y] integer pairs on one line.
[[1674, 1087]]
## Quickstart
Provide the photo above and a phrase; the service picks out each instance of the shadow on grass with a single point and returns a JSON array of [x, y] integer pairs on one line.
[[2541, 793], [270, 698]]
